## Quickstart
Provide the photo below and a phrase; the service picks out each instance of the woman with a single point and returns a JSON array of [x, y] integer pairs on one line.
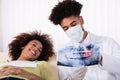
[[29, 53]]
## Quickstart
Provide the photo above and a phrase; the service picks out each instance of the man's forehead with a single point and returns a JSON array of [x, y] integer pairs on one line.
[[68, 20]]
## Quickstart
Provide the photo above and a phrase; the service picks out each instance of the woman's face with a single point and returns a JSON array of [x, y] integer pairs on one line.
[[31, 51]]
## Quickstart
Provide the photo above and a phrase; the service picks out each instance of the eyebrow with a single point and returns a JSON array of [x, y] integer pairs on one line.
[[70, 23]]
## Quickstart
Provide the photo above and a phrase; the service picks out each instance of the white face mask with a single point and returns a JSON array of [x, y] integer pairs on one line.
[[75, 33]]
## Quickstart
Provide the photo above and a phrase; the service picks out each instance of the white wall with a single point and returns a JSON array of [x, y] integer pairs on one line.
[[100, 16], [24, 15], [1, 39], [103, 17]]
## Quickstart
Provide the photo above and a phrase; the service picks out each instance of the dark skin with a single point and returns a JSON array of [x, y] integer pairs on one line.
[[7, 70], [36, 47]]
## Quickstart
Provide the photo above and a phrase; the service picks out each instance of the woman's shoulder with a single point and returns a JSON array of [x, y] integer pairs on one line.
[[42, 63]]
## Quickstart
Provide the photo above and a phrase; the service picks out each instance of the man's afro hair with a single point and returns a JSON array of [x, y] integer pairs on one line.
[[65, 9]]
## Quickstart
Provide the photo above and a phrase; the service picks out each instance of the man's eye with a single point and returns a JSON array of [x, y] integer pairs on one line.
[[65, 28], [73, 24]]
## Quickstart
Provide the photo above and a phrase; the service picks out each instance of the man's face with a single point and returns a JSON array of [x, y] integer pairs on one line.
[[71, 21]]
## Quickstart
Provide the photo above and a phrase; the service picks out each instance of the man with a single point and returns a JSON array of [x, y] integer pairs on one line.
[[67, 15]]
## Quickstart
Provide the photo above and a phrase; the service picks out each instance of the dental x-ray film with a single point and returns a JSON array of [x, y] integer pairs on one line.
[[78, 55]]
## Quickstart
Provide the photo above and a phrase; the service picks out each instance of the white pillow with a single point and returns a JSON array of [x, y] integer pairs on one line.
[[4, 57]]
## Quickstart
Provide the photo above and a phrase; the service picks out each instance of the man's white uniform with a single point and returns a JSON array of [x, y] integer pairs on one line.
[[109, 70]]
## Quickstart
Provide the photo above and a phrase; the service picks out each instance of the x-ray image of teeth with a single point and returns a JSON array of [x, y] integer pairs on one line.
[[78, 55]]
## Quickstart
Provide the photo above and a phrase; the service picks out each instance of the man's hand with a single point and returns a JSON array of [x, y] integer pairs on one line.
[[78, 74]]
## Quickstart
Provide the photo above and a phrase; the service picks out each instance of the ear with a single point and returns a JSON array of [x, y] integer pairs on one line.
[[81, 20], [22, 47]]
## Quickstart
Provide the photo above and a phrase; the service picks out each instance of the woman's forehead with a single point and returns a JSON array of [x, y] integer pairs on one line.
[[35, 41]]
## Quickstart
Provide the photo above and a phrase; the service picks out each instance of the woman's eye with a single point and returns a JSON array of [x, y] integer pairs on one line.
[[39, 50], [34, 45]]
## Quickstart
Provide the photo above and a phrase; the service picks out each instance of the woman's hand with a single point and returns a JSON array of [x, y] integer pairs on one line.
[[13, 70]]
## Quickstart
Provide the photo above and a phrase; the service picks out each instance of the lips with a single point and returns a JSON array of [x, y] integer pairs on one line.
[[33, 52]]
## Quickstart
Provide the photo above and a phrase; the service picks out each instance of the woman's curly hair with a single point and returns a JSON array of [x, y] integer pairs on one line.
[[65, 9], [21, 40]]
